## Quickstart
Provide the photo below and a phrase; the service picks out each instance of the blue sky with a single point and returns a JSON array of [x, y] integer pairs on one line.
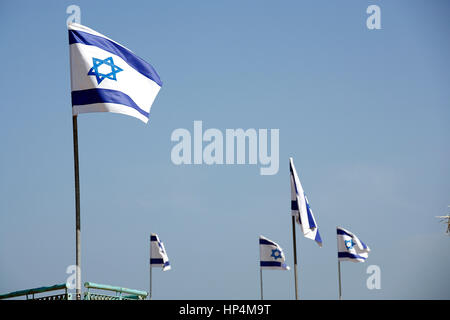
[[365, 114]]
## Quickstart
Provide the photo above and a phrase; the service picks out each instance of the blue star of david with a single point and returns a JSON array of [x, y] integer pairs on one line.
[[349, 243], [276, 254], [101, 76]]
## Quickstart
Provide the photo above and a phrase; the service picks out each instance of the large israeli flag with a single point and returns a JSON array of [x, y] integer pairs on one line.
[[107, 77], [271, 255], [301, 209], [158, 254], [350, 248]]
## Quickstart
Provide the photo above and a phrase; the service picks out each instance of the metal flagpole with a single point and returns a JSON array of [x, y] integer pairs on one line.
[[339, 267], [260, 277], [151, 267], [77, 209], [150, 287], [339, 272], [295, 257]]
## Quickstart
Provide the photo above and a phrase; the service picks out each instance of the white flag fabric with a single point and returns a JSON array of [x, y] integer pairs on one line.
[[301, 209], [158, 255], [271, 255], [350, 248], [107, 77]]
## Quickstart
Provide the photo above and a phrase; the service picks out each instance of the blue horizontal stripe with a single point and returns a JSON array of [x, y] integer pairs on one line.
[[350, 255], [156, 261], [264, 241], [270, 264], [96, 95], [129, 57], [294, 205], [159, 262], [342, 232]]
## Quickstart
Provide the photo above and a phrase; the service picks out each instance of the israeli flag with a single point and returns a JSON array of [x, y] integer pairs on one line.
[[158, 255], [107, 77], [301, 209], [271, 255], [350, 248]]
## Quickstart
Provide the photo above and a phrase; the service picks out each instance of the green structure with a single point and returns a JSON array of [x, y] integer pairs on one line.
[[93, 292]]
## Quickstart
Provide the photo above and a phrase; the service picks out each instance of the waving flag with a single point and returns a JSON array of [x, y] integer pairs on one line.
[[158, 255], [301, 209], [350, 248], [107, 77], [271, 255]]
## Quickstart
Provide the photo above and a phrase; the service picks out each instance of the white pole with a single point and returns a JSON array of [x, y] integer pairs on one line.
[[260, 277], [339, 273]]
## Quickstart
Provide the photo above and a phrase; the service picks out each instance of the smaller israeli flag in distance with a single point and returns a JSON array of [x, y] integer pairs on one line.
[[107, 77], [301, 209], [158, 254], [350, 248], [271, 255]]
